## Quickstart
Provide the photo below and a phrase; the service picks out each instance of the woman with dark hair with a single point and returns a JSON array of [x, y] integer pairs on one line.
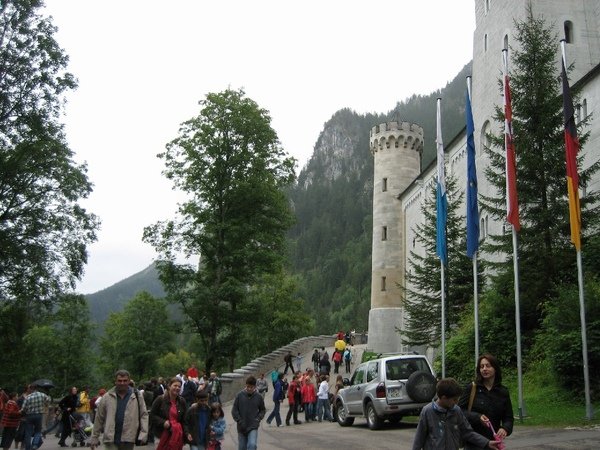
[[67, 405], [486, 401], [167, 417]]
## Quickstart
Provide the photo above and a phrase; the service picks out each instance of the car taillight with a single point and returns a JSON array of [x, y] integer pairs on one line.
[[380, 390]]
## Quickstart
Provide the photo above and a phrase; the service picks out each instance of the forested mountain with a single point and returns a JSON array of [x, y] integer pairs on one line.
[[330, 245], [113, 298]]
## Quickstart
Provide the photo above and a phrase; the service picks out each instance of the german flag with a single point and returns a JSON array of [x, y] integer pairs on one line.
[[571, 150]]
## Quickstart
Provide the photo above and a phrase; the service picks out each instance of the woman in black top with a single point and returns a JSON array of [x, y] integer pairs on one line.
[[67, 405], [491, 403]]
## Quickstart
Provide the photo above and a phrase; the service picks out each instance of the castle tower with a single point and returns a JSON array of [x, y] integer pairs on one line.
[[397, 148]]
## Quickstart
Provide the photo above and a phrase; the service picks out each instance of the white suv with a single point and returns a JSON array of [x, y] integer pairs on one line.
[[386, 388]]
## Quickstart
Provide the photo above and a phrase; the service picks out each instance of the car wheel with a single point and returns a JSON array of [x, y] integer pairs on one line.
[[342, 415], [373, 420], [420, 386]]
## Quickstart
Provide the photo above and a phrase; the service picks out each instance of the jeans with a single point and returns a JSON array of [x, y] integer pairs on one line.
[[323, 407], [308, 411], [248, 441], [33, 425], [275, 414]]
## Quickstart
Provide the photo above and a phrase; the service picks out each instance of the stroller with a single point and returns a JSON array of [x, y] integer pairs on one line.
[[78, 430]]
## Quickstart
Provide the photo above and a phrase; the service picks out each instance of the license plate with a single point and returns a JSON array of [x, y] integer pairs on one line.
[[395, 393]]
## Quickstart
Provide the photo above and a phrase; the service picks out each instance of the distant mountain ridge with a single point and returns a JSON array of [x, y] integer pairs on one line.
[[113, 298]]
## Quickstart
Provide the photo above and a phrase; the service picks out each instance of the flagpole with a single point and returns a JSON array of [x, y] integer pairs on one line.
[[475, 275], [443, 320], [513, 219], [518, 324], [589, 413], [441, 233]]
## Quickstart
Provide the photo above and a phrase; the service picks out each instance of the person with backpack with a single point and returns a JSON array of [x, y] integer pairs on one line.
[[316, 358], [214, 388], [337, 360], [347, 359], [277, 399], [288, 362]]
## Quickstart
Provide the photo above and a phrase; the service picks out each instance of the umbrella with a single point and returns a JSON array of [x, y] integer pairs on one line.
[[43, 383]]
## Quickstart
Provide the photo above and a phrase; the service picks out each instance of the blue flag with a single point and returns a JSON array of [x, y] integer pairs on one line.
[[472, 208], [441, 199]]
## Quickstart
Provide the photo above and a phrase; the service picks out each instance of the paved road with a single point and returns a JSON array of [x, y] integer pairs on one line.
[[327, 436]]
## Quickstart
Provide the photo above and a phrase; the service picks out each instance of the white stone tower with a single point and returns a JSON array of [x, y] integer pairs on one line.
[[397, 148]]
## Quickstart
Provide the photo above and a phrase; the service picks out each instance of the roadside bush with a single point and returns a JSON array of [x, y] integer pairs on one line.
[[560, 338]]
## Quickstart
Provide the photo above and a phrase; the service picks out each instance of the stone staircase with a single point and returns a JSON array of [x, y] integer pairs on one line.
[[233, 382]]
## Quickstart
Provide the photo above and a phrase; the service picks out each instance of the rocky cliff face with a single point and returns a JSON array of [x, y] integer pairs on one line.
[[342, 149]]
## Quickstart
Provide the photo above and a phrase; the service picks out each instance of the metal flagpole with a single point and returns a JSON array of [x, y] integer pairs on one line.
[[475, 286], [518, 325], [441, 244], [512, 208], [476, 307], [589, 413], [443, 321]]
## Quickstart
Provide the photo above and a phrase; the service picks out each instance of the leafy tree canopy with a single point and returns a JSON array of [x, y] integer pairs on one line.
[[43, 230], [229, 161]]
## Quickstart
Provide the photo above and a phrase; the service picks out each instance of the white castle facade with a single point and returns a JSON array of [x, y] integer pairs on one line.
[[400, 186]]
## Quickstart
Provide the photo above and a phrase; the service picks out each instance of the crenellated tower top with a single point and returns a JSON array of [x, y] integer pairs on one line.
[[396, 135]]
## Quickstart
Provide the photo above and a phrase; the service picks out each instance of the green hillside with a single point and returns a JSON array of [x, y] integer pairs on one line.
[[113, 298]]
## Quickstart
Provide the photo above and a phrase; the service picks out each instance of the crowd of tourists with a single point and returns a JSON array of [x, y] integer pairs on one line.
[[23, 416]]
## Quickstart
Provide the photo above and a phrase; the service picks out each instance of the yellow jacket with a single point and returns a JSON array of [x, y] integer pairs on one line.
[[84, 403]]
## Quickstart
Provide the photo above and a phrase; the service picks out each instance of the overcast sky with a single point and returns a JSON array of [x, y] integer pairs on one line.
[[143, 65]]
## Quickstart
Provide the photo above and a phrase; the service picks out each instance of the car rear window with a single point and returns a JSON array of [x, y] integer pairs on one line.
[[401, 369]]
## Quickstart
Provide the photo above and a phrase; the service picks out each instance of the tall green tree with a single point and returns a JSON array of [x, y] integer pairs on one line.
[[229, 161], [546, 256], [422, 301], [43, 229], [135, 338]]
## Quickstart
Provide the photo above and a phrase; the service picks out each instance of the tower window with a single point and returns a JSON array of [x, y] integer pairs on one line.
[[584, 109], [506, 41], [384, 185], [485, 43], [568, 31], [384, 233], [383, 283], [487, 6]]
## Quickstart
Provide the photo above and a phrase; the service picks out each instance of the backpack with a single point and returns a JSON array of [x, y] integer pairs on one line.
[[347, 355]]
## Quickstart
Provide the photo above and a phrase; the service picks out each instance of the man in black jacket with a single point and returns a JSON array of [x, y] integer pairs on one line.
[[248, 410], [188, 390]]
